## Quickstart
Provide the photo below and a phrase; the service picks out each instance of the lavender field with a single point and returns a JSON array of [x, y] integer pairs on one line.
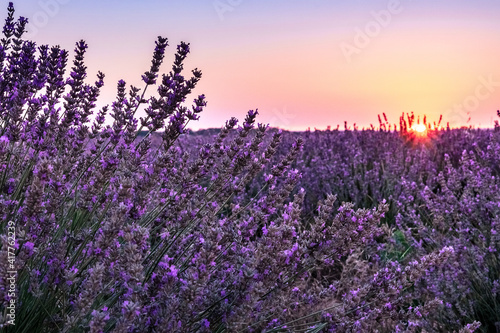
[[111, 222]]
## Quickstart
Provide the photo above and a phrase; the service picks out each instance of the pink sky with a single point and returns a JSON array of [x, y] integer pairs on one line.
[[289, 58]]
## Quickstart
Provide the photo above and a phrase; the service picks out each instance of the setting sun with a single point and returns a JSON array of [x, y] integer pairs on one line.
[[420, 128]]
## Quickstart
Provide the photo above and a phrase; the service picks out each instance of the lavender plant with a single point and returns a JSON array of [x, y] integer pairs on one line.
[[117, 234]]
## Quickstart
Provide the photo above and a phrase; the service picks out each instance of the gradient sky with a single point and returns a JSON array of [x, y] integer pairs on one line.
[[301, 63]]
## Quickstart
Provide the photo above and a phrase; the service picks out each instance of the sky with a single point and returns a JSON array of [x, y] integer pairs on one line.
[[302, 64]]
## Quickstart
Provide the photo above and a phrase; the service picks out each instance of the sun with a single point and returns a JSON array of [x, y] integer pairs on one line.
[[419, 128]]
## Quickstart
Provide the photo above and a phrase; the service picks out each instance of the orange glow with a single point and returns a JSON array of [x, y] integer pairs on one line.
[[419, 128]]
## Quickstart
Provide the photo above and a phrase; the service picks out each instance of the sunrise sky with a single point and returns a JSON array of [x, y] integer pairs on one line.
[[301, 63]]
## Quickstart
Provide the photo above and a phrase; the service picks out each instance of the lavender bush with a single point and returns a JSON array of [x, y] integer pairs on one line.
[[132, 227], [441, 190]]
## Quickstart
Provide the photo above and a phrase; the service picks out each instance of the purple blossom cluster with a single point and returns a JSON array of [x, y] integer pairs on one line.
[[442, 191], [138, 226]]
